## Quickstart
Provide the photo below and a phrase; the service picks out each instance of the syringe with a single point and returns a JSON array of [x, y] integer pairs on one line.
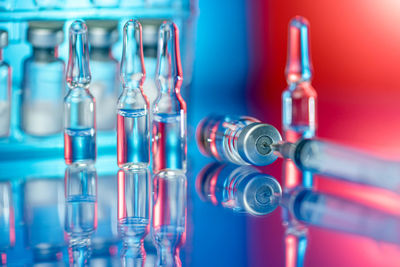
[[338, 161]]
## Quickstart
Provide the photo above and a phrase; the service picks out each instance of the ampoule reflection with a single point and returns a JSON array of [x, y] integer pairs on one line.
[[133, 136], [80, 212], [336, 213], [169, 216], [7, 223], [240, 188], [169, 110], [44, 218], [134, 214], [5, 88], [299, 98], [79, 104]]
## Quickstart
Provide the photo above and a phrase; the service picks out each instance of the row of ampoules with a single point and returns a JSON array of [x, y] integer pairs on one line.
[[95, 217], [164, 121], [41, 106]]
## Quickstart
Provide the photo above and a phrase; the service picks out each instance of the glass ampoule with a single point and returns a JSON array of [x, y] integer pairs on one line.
[[105, 84], [80, 211], [243, 189], [7, 222], [134, 214], [79, 104], [240, 140], [133, 115], [42, 94], [169, 109], [169, 216], [299, 99], [5, 88]]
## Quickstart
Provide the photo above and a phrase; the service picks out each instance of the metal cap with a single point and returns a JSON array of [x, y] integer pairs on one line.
[[260, 195], [254, 143], [3, 38], [102, 33], [46, 34]]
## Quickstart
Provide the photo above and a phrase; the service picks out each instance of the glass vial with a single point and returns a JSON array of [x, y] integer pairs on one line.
[[80, 212], [239, 140], [299, 99], [42, 94], [169, 110], [79, 104], [105, 85], [5, 88], [134, 214], [169, 216], [133, 136], [7, 222]]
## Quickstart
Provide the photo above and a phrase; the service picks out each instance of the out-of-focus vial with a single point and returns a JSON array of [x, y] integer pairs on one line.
[[239, 140], [44, 218], [169, 110], [299, 99], [79, 104], [133, 135], [134, 214], [150, 41], [42, 93], [80, 212], [105, 85], [243, 189], [7, 224], [5, 88], [169, 216], [105, 239]]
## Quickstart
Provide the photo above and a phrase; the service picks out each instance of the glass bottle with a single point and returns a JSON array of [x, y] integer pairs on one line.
[[133, 136], [79, 104], [105, 85], [42, 94], [7, 222], [240, 140], [169, 110], [299, 98], [134, 214], [169, 216], [5, 88]]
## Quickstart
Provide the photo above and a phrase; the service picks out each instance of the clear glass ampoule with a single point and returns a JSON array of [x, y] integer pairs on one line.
[[7, 224], [5, 88], [241, 140], [133, 136], [299, 98], [169, 110], [134, 213], [79, 104], [169, 216]]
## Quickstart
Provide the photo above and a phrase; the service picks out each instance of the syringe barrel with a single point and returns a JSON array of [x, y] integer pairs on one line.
[[331, 212], [347, 164], [240, 140]]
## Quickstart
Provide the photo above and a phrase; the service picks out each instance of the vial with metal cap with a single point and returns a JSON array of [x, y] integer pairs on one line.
[[239, 140], [79, 104], [169, 110], [133, 111], [243, 189], [299, 99], [42, 93], [5, 88], [105, 85]]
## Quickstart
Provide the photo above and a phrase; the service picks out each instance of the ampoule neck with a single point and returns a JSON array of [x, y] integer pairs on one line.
[[300, 84]]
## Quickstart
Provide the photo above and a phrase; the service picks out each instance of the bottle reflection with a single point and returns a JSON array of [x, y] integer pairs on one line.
[[44, 218], [7, 226], [134, 203], [242, 189], [169, 216], [80, 212], [335, 213]]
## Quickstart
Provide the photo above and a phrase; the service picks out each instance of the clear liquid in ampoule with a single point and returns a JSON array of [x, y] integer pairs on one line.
[[169, 109], [133, 115], [79, 104]]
